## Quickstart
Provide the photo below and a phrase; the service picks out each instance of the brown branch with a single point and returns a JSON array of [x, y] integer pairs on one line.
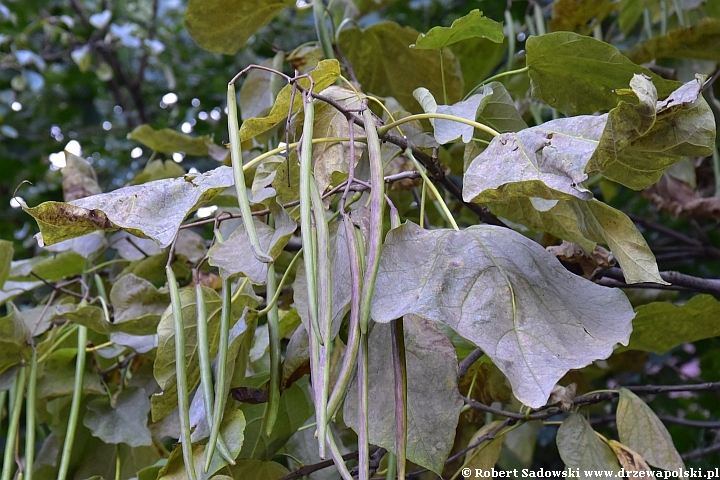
[[314, 467], [468, 362], [677, 279], [701, 452]]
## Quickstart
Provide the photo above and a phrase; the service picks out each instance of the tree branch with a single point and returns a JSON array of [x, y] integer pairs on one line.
[[677, 279]]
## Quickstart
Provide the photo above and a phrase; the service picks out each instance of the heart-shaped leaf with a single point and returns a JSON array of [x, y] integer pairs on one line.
[[472, 25]]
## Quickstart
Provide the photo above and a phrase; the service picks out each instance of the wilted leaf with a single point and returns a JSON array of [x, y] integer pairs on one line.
[[234, 255], [662, 326], [137, 304], [153, 210], [169, 141], [630, 460], [126, 422], [701, 40], [580, 15], [581, 448], [678, 199], [507, 295], [432, 414], [485, 457], [590, 262], [79, 179], [588, 223], [598, 69], [323, 76], [448, 130], [641, 141], [223, 26], [641, 430], [474, 24], [385, 65], [6, 255]]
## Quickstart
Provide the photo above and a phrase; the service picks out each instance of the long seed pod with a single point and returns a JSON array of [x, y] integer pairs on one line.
[[75, 405], [206, 382], [273, 323], [239, 176], [400, 375], [220, 391], [363, 411], [12, 432], [30, 418], [377, 204], [180, 373]]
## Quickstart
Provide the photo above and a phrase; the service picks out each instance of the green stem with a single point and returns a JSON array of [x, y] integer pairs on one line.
[[322, 30], [679, 12], [539, 19], [283, 282], [363, 409], [511, 39], [12, 432], [75, 405], [239, 176], [400, 375], [480, 126], [181, 374], [30, 418], [273, 323], [442, 77], [433, 189], [391, 467]]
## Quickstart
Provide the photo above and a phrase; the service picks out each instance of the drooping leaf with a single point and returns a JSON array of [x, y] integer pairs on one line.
[[323, 76], [580, 16], [223, 26], [598, 69], [641, 430], [661, 326], [507, 295], [6, 255], [79, 179], [329, 158], [448, 130], [272, 180], [169, 141], [701, 40], [125, 422], [485, 458], [375, 53], [234, 255], [547, 161], [62, 265], [641, 141], [14, 349], [153, 210], [497, 110], [581, 448], [589, 223], [432, 414], [472, 25], [256, 98], [629, 459], [251, 469], [232, 430], [86, 315], [137, 304]]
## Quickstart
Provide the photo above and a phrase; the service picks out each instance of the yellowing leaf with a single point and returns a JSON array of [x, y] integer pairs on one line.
[[323, 76], [169, 141], [701, 40], [641, 430], [580, 16], [472, 25], [223, 26], [79, 179], [630, 460], [581, 448], [486, 456]]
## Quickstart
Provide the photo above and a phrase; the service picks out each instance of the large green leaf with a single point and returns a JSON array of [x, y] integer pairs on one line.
[[57, 267], [432, 414], [588, 223], [169, 141], [641, 430], [578, 74], [323, 76], [507, 295], [472, 25], [223, 26], [153, 210], [123, 422], [660, 326], [137, 304], [385, 65], [701, 40], [581, 448], [641, 141], [57, 375]]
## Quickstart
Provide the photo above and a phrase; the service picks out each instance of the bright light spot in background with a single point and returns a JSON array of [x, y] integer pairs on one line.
[[57, 160], [107, 125], [73, 147], [169, 98], [136, 152], [16, 106], [203, 115], [195, 102], [215, 114], [302, 4], [117, 109], [16, 202], [186, 127], [193, 170], [204, 212], [178, 157]]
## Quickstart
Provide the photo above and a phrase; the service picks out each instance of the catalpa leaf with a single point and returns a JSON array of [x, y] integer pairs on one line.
[[169, 141], [640, 429], [700, 40], [547, 161], [629, 459], [641, 141], [432, 414], [223, 26], [697, 319], [137, 304], [6, 255], [497, 110], [448, 130], [588, 223], [123, 422], [375, 53], [581, 448], [14, 335], [152, 210], [507, 295], [256, 96], [323, 76], [472, 25], [79, 179], [598, 69], [580, 17]]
